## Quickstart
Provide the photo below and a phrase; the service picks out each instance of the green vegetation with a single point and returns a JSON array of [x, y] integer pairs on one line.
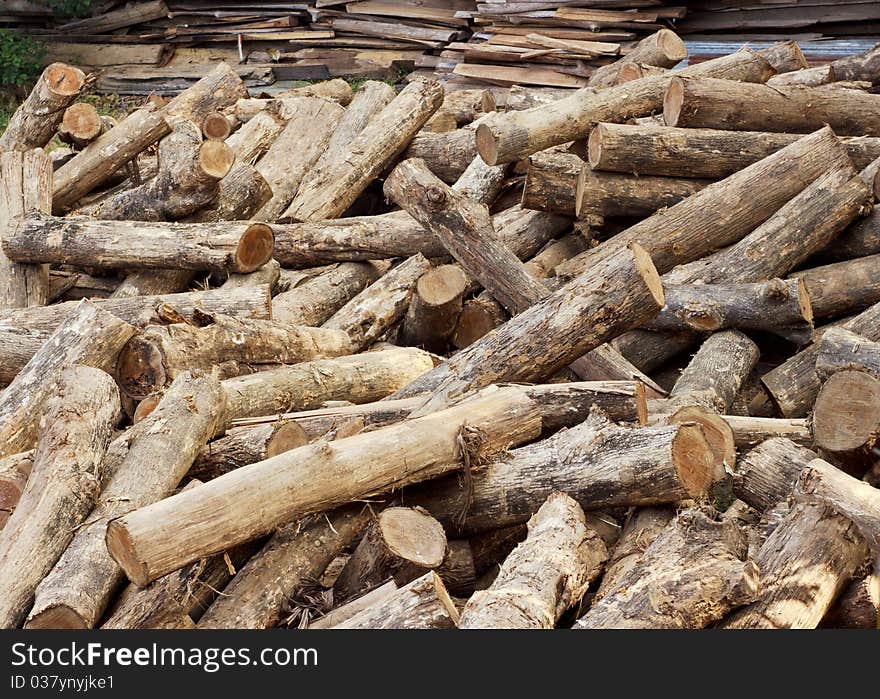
[[71, 8], [21, 60]]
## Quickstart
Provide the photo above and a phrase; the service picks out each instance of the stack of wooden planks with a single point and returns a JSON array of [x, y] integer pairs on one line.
[[381, 359]]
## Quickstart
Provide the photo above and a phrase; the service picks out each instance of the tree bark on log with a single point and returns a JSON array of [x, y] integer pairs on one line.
[[861, 66], [808, 77], [260, 129], [344, 612], [434, 308], [336, 89], [693, 573], [857, 607], [465, 106], [359, 378], [266, 277], [841, 350], [545, 575], [842, 288], [597, 463], [663, 49], [144, 464], [89, 337], [246, 445], [804, 563], [613, 194], [423, 604], [316, 477], [25, 185], [80, 240], [134, 134], [160, 353], [785, 56], [331, 192], [448, 154], [33, 124], [702, 153], [64, 483], [154, 281], [846, 416], [295, 556], [779, 306], [14, 473], [636, 71], [767, 474], [241, 193], [512, 136], [749, 432]]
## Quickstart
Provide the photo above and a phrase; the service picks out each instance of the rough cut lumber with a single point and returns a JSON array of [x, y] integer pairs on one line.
[[81, 240], [423, 604], [718, 104], [402, 543], [25, 185], [842, 288], [145, 463], [516, 351], [766, 475], [335, 189], [708, 153], [89, 337], [813, 549], [295, 556], [545, 575], [434, 308], [846, 415], [725, 211], [162, 537], [110, 151], [793, 385], [597, 463], [512, 136], [34, 122], [246, 445], [160, 353], [359, 378], [664, 49], [68, 467], [367, 316], [14, 473], [779, 306], [689, 577]]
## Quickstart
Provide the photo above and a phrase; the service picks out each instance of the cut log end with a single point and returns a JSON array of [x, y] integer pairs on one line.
[[288, 436], [694, 460], [140, 369], [671, 45], [215, 127], [487, 102], [629, 72], [673, 101], [145, 407], [718, 434], [413, 535], [444, 598], [441, 285], [121, 548], [594, 152], [254, 249], [847, 411], [487, 145], [804, 302], [64, 80], [56, 617], [647, 270], [82, 121], [216, 159]]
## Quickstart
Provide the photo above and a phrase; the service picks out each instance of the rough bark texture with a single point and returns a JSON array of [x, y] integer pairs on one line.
[[89, 337], [246, 445], [242, 192], [613, 194], [861, 66], [846, 416], [663, 49], [858, 607], [14, 473], [843, 288], [545, 575], [688, 578], [840, 349], [434, 308], [154, 281], [749, 432], [145, 463], [766, 475], [68, 468], [344, 612]]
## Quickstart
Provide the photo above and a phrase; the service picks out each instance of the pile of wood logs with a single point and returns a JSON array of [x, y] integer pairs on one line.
[[407, 360]]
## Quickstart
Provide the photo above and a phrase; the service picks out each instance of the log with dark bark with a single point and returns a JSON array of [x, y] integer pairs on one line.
[[767, 474], [858, 606], [843, 288], [160, 353], [25, 185], [545, 575], [241, 193], [68, 467], [839, 350], [613, 194], [33, 124], [315, 477], [144, 464], [246, 445], [664, 49], [693, 573], [434, 308], [861, 66], [89, 337]]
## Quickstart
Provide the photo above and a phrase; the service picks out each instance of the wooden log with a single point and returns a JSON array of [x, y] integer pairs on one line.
[[664, 49], [143, 127], [34, 122], [266, 277], [336, 89], [317, 299], [372, 312], [295, 556], [295, 151], [717, 104], [14, 473], [612, 194], [510, 352], [707, 221], [434, 308], [842, 288], [766, 475], [360, 378], [215, 126], [813, 549], [81, 124], [81, 240], [669, 587], [846, 416], [246, 445], [707, 153], [809, 77], [423, 448], [89, 337], [344, 612], [858, 606], [68, 467], [241, 193], [793, 385], [785, 56], [154, 281], [749, 432], [423, 604], [145, 463], [636, 71], [842, 350], [512, 136], [545, 575], [402, 543], [336, 188], [260, 129], [597, 463], [25, 185], [719, 435], [154, 358], [860, 66], [779, 306], [448, 154], [466, 106]]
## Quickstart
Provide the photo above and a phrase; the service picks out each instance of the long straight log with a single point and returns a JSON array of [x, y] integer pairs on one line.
[[842, 288], [860, 66], [612, 194], [162, 537], [63, 485], [664, 49], [768, 473]]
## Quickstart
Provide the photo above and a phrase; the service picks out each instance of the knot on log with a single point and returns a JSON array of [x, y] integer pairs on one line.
[[435, 196]]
